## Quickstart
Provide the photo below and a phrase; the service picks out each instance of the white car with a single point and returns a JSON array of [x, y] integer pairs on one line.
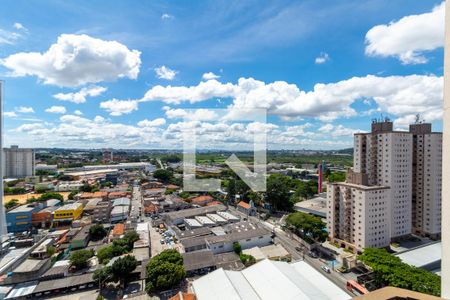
[[325, 268]]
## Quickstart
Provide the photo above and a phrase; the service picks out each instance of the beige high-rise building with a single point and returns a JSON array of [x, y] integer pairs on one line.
[[393, 189], [18, 162]]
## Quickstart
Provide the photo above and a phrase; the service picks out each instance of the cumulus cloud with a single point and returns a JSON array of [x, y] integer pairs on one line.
[[167, 17], [56, 110], [75, 60], [78, 112], [209, 76], [338, 131], [80, 96], [10, 114], [396, 95], [408, 38], [117, 107], [19, 26], [322, 58], [192, 114], [164, 72], [24, 109], [152, 123]]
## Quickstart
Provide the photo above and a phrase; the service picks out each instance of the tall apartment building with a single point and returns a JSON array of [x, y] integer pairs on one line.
[[18, 162], [393, 189]]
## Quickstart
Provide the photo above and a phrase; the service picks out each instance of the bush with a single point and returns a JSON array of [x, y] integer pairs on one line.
[[97, 232], [51, 195], [237, 247], [11, 203], [247, 260]]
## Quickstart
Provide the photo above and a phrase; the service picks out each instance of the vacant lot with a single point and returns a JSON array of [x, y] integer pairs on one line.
[[23, 198]]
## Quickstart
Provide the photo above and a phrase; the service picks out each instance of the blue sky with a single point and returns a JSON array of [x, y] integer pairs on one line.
[[93, 74]]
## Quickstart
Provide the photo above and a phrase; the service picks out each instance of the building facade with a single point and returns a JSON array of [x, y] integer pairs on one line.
[[18, 162], [393, 189]]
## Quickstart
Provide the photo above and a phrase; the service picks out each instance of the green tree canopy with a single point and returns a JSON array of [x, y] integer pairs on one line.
[[307, 226], [103, 275], [163, 175], [122, 268], [11, 203], [97, 232], [165, 270], [278, 191], [51, 195], [79, 259], [336, 177], [237, 247], [390, 270]]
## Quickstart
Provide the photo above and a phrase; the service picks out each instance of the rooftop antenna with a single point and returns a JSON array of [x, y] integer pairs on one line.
[[417, 121]]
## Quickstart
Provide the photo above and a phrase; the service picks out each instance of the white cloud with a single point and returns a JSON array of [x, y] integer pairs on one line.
[[164, 72], [56, 110], [80, 96], [9, 37], [338, 131], [75, 60], [167, 17], [24, 109], [152, 123], [322, 58], [10, 114], [209, 76], [119, 107], [408, 38], [396, 95], [19, 26], [78, 112], [192, 114]]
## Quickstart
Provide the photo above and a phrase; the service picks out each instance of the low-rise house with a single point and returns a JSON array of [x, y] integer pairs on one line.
[[43, 218], [60, 269], [20, 218], [272, 252], [119, 214], [194, 244], [102, 212], [81, 239], [91, 205], [41, 251], [202, 200], [117, 232], [115, 195], [247, 208], [30, 269], [151, 210], [121, 202]]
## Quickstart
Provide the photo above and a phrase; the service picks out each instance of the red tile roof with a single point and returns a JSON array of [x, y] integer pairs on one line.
[[213, 203], [119, 229], [183, 296], [202, 199], [244, 205]]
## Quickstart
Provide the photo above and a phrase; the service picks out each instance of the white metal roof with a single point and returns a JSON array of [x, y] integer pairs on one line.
[[268, 280], [422, 256]]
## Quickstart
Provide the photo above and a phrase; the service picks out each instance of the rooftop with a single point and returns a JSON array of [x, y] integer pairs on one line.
[[389, 293], [244, 205], [121, 201], [316, 206], [423, 256], [188, 213], [238, 235], [280, 281], [70, 206], [198, 259], [23, 208]]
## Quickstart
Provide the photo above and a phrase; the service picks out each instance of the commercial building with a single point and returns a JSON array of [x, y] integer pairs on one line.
[[20, 218], [68, 212], [393, 189], [81, 239], [30, 269], [119, 213], [316, 206], [44, 217], [268, 280], [257, 237], [18, 162], [272, 252], [177, 217], [102, 212]]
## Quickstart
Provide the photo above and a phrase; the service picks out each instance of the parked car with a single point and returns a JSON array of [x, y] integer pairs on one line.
[[313, 254], [325, 268], [161, 241]]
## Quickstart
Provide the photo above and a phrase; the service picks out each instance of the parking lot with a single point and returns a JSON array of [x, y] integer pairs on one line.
[[162, 241]]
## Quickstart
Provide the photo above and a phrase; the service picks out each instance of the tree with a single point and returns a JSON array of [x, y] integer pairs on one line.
[[50, 251], [97, 232], [72, 195], [131, 237], [278, 191], [51, 195], [390, 270], [336, 177], [122, 268], [163, 175], [231, 190], [164, 271], [11, 203], [79, 259], [102, 276], [237, 247], [307, 226]]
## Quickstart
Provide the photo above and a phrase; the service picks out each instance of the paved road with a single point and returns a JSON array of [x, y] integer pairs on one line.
[[290, 244], [160, 163]]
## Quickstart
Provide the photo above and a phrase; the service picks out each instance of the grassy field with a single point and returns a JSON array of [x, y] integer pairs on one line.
[[23, 197]]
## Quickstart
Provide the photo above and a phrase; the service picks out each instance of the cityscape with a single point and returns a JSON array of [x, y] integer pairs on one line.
[[225, 150]]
